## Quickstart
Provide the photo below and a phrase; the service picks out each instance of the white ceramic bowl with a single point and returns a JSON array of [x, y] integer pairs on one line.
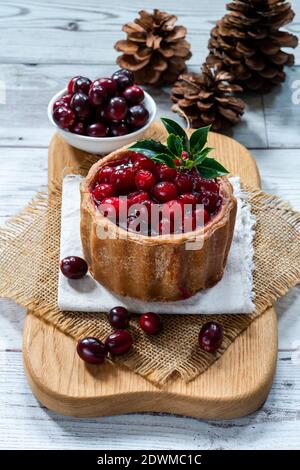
[[102, 145]]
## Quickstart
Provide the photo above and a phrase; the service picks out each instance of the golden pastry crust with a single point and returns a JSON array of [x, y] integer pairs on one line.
[[155, 268]]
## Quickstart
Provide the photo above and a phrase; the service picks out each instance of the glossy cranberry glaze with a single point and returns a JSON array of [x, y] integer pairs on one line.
[[183, 200]]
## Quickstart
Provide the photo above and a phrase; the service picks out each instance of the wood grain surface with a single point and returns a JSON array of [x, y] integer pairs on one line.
[[63, 383], [73, 37]]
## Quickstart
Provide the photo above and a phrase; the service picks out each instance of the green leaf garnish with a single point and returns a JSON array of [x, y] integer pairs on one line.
[[174, 128], [150, 148], [189, 153], [174, 144], [164, 158], [199, 139], [210, 168]]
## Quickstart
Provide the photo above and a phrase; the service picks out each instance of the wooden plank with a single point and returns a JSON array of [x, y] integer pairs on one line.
[[68, 387], [25, 424], [282, 112], [56, 32]]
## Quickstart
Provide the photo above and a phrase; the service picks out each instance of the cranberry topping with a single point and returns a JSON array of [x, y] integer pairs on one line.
[[137, 197], [135, 178], [184, 182], [141, 162], [164, 173], [165, 191], [105, 174], [144, 179], [92, 350], [123, 180], [102, 191]]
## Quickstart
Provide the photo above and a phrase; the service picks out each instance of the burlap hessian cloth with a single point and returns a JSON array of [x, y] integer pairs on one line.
[[29, 260]]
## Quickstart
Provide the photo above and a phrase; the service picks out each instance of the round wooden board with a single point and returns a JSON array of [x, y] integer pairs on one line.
[[235, 385]]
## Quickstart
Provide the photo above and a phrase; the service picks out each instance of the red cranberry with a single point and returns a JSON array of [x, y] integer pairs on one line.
[[79, 84], [105, 174], [119, 342], [138, 116], [210, 200], [98, 129], [103, 190], [184, 155], [118, 128], [66, 98], [119, 317], [211, 337], [112, 206], [188, 198], [109, 85], [92, 350], [79, 128], [137, 197], [165, 191], [151, 323], [184, 182], [201, 216], [141, 162], [124, 79], [144, 179], [134, 94], [125, 72], [116, 109], [173, 210], [63, 100], [97, 95], [73, 267], [123, 180], [206, 185], [64, 117], [165, 173], [81, 105]]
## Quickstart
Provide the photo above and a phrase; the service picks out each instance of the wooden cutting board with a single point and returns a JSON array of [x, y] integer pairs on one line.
[[235, 385]]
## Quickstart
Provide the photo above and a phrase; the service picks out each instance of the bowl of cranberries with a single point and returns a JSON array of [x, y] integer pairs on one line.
[[102, 115]]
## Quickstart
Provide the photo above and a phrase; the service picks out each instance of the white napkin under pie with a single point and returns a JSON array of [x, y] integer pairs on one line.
[[233, 294]]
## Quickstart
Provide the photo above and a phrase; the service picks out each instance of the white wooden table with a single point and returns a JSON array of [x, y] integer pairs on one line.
[[42, 44]]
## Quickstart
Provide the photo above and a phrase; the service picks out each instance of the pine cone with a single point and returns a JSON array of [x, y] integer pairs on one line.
[[207, 98], [247, 42], [155, 49]]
